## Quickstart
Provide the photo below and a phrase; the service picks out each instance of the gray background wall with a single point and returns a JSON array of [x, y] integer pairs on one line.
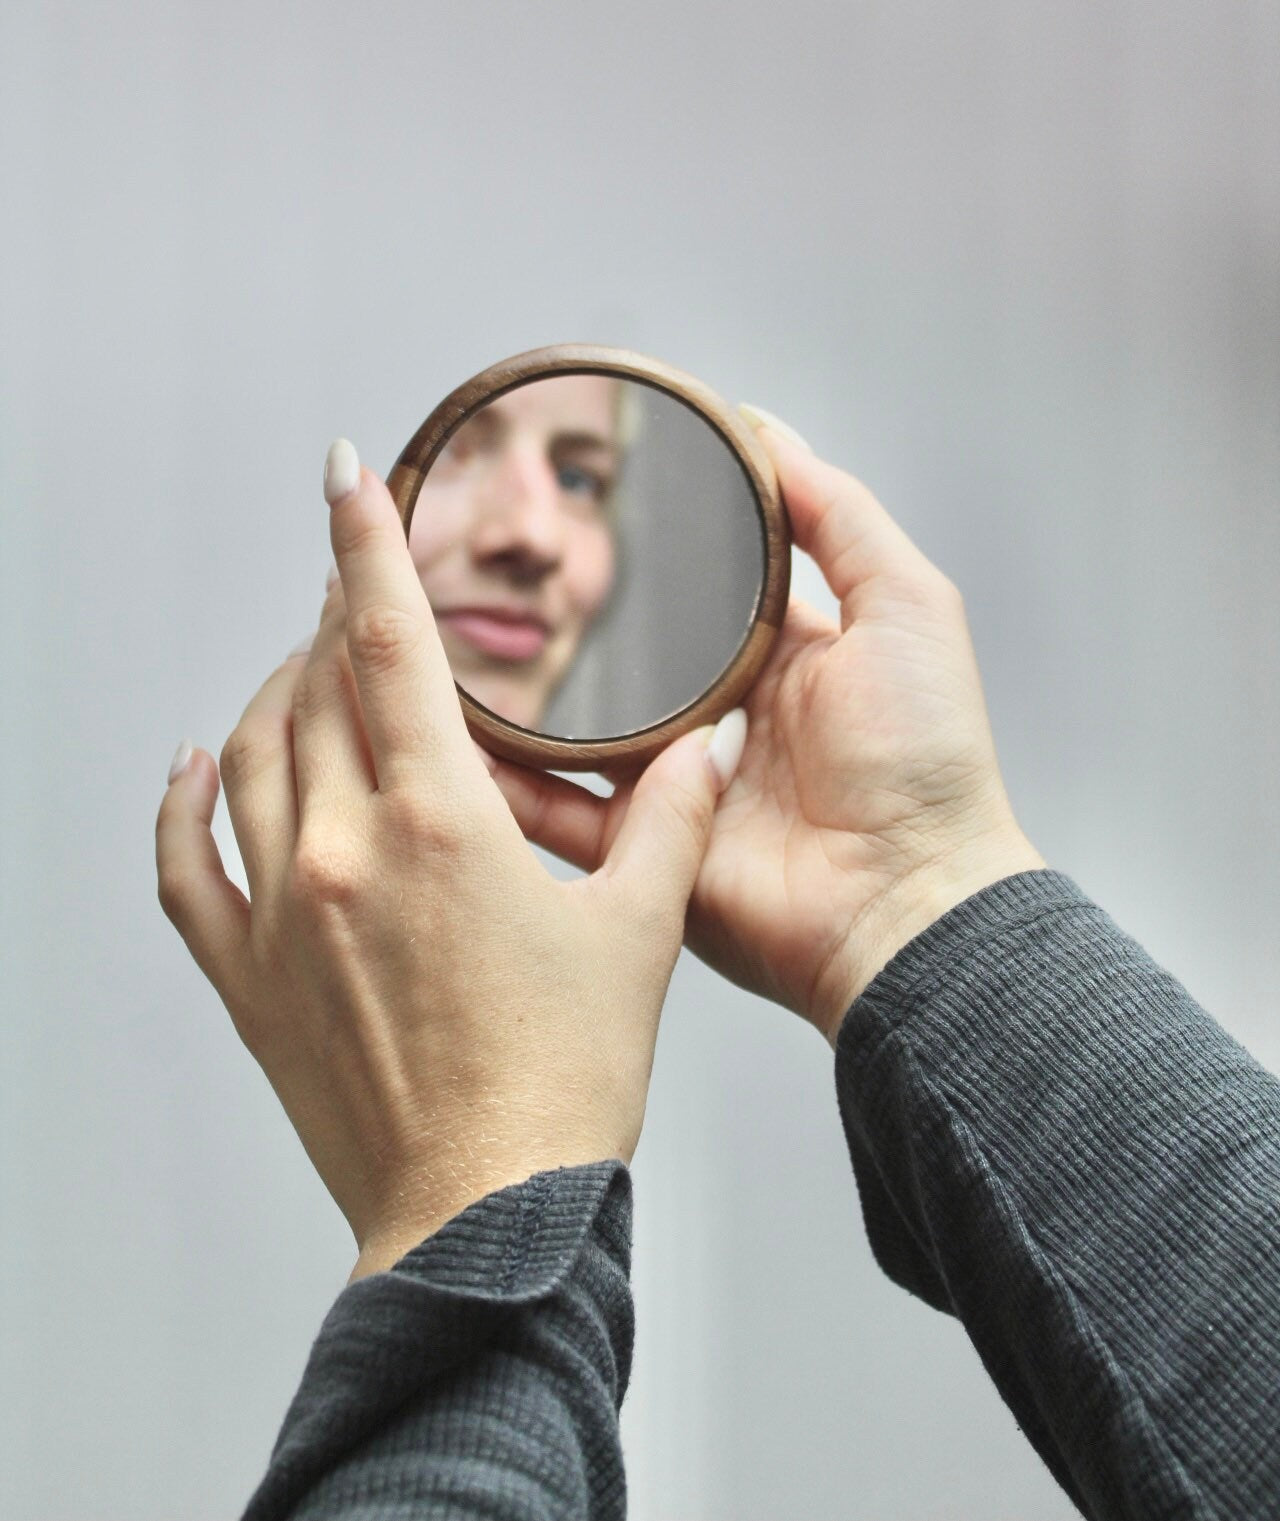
[[1015, 265]]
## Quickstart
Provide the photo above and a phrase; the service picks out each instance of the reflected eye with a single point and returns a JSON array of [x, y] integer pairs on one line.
[[578, 481]]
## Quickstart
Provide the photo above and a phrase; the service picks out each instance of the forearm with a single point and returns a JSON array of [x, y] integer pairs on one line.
[[481, 1376], [1055, 1143]]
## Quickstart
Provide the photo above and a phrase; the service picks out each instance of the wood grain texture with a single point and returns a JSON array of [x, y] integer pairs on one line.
[[632, 750]]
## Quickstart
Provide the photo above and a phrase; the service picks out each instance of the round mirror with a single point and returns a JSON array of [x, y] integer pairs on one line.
[[601, 542]]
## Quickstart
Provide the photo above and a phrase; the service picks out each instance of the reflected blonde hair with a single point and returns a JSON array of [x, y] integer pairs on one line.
[[628, 424], [628, 415]]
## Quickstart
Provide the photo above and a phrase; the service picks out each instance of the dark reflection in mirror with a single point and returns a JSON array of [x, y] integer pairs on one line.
[[593, 552]]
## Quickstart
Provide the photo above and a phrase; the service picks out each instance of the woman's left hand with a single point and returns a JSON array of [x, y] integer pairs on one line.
[[439, 1016]]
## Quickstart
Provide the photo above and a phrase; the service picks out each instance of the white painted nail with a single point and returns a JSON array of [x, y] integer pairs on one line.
[[725, 748], [341, 471], [759, 418], [181, 760]]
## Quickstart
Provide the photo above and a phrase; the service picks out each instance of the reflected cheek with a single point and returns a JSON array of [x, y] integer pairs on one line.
[[430, 560], [437, 528], [592, 573]]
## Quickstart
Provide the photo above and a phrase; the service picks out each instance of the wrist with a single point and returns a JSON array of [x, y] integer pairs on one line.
[[424, 1208], [379, 1257], [914, 902]]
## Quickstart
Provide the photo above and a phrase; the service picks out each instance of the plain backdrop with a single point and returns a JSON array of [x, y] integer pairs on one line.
[[1018, 266]]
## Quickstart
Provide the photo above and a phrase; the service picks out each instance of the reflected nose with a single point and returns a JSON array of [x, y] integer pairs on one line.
[[520, 530]]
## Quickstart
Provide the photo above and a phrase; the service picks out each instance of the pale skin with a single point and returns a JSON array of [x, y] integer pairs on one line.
[[438, 1015]]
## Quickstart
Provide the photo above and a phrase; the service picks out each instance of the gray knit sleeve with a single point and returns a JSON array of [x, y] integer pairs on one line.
[[480, 1376], [1055, 1143]]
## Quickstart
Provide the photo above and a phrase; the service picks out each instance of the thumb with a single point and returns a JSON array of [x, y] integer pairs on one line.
[[659, 848], [834, 517]]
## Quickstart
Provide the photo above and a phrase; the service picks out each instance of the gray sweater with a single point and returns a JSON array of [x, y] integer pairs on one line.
[[1051, 1141]]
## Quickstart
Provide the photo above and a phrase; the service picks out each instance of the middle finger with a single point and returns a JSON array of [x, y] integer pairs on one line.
[[330, 747]]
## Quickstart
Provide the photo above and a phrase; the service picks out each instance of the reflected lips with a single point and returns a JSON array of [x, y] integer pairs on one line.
[[493, 631]]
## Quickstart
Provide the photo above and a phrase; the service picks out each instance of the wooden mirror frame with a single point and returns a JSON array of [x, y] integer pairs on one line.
[[628, 751]]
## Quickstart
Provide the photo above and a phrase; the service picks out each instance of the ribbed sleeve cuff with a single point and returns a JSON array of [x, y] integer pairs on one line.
[[392, 1335]]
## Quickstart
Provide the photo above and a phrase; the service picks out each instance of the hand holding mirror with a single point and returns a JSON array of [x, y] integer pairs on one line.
[[603, 546]]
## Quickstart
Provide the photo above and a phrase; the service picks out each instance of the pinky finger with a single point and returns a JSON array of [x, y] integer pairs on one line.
[[208, 911]]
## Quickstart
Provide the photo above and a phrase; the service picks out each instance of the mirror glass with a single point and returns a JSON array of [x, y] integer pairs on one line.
[[593, 551]]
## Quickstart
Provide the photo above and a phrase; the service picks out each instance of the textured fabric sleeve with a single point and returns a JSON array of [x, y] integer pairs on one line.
[[481, 1376], [1055, 1143]]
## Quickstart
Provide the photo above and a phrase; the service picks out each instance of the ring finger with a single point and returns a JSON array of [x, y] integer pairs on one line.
[[258, 780]]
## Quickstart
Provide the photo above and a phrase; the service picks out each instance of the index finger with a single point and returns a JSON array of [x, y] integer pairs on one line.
[[407, 696]]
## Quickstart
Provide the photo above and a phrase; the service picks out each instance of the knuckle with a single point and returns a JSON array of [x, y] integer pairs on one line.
[[318, 691], [380, 637], [241, 756], [174, 886], [325, 873], [838, 491], [353, 529], [426, 825], [689, 809]]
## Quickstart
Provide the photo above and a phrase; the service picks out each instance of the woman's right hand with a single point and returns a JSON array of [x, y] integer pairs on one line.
[[869, 799]]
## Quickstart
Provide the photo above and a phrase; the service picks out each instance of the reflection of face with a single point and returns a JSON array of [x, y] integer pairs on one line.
[[511, 538]]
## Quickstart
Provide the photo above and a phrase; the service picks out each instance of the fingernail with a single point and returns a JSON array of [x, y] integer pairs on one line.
[[724, 750], [181, 760], [490, 765], [341, 471], [331, 580], [759, 418], [303, 646]]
